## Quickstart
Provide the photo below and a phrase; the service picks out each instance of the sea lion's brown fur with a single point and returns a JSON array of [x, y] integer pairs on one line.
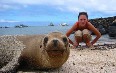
[[45, 51]]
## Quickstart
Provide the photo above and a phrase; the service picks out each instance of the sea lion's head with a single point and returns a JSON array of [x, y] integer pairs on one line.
[[56, 44]]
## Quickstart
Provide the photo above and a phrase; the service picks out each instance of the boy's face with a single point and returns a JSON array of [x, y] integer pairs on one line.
[[82, 20]]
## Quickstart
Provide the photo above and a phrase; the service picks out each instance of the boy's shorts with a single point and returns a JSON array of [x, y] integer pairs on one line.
[[80, 33]]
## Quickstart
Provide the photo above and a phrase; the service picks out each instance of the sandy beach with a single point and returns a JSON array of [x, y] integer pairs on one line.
[[90, 61], [101, 59], [87, 61]]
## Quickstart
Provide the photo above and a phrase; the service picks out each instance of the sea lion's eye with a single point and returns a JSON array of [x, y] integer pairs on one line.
[[65, 39], [45, 39]]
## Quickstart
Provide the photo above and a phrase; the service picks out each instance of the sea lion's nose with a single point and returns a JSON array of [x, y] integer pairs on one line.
[[55, 42]]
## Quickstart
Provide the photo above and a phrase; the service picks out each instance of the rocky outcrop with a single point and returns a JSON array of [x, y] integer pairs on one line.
[[102, 22]]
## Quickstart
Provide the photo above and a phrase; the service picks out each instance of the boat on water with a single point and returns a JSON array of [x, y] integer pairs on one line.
[[51, 24], [64, 24], [20, 26], [4, 27]]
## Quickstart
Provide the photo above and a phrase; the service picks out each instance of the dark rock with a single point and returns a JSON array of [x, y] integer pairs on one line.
[[112, 29], [104, 22]]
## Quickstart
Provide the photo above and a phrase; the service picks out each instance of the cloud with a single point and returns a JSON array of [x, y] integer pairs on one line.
[[5, 7], [95, 8], [68, 5], [11, 21]]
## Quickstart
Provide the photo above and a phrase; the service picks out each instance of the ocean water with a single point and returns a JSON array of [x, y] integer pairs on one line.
[[35, 30]]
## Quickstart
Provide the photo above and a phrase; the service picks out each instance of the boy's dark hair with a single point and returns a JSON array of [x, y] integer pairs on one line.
[[83, 13]]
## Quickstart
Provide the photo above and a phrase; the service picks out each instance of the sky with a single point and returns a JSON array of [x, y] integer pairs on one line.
[[54, 10]]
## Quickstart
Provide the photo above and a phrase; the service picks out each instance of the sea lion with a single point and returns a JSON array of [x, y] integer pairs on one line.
[[44, 51]]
